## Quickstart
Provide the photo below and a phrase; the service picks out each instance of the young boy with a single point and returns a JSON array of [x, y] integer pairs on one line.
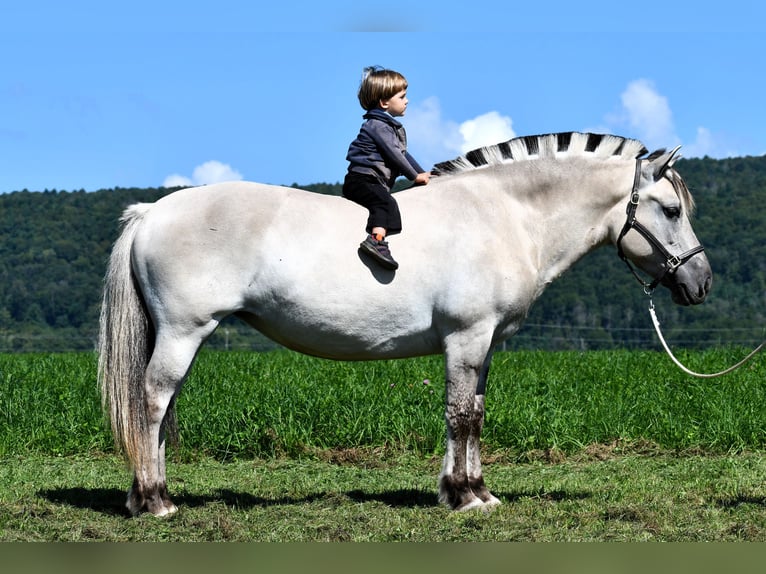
[[377, 157]]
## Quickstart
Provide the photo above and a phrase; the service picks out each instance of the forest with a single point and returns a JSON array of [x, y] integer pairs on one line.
[[54, 246]]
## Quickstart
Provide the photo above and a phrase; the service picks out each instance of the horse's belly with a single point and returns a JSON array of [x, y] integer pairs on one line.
[[344, 337]]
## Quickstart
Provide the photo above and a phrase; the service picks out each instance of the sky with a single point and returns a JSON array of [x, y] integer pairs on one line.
[[97, 95]]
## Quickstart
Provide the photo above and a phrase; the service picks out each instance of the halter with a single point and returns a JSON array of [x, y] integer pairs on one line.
[[672, 263]]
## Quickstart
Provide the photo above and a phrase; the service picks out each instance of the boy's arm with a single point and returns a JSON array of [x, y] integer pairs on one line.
[[388, 143], [415, 165]]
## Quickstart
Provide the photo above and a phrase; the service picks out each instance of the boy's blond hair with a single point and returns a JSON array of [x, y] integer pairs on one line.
[[379, 84]]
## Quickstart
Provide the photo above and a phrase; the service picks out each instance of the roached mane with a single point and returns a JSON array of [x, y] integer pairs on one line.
[[548, 145], [565, 144]]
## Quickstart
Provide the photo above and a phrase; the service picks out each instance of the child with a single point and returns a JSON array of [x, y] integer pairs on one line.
[[378, 156]]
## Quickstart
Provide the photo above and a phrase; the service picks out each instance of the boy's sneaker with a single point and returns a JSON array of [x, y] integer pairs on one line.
[[379, 251]]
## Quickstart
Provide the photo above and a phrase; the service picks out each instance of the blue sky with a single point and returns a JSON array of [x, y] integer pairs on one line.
[[102, 94]]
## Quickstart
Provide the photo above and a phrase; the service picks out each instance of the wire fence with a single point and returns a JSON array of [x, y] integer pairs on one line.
[[532, 336]]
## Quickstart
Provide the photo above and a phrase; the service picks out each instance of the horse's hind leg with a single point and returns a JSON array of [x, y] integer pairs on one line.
[[171, 359]]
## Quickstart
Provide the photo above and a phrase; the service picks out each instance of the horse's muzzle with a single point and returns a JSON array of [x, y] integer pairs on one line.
[[691, 282]]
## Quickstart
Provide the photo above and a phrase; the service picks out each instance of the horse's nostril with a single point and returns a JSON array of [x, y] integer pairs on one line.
[[704, 289]]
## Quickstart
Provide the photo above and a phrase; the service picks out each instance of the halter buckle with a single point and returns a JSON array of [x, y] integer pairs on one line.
[[674, 262]]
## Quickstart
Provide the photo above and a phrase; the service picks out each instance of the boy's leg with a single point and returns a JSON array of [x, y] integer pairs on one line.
[[378, 233], [384, 215], [367, 191]]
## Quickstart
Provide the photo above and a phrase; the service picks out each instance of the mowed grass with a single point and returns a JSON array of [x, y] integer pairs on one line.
[[624, 496], [613, 445]]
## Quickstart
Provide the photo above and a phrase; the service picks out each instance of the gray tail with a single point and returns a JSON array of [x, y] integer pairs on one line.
[[125, 343]]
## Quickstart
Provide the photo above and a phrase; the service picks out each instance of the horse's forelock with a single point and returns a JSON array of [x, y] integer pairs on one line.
[[682, 190]]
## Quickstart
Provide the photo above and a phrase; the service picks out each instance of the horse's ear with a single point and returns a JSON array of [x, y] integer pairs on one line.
[[659, 165]]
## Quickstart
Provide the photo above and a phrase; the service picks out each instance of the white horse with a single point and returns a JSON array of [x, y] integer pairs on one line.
[[480, 244]]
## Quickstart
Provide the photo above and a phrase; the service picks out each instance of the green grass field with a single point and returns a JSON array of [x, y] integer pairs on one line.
[[611, 445], [245, 405]]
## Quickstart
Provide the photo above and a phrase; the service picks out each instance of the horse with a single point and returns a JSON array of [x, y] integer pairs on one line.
[[481, 242]]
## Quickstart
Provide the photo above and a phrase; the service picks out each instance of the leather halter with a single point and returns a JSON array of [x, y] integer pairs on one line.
[[672, 262]]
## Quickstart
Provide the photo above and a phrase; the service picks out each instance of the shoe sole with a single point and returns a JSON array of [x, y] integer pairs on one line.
[[371, 251]]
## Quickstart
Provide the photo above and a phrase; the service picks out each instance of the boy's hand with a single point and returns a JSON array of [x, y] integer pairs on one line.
[[423, 178]]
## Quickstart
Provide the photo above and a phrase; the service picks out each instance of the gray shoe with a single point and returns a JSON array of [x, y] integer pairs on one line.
[[379, 251]]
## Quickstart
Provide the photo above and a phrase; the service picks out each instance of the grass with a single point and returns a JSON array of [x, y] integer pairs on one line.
[[610, 497], [579, 446], [245, 405]]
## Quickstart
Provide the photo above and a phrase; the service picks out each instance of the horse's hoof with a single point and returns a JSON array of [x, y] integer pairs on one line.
[[470, 505], [133, 505], [136, 506], [166, 508]]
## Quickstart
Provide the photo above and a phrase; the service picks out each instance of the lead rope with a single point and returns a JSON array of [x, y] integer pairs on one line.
[[678, 363]]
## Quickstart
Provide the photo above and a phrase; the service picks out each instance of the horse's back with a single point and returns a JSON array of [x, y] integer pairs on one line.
[[233, 206], [285, 260], [217, 219], [226, 233]]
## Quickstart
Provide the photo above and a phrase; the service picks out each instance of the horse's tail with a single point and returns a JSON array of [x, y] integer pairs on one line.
[[125, 342]]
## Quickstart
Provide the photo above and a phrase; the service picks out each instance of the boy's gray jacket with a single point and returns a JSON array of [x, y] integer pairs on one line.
[[380, 149]]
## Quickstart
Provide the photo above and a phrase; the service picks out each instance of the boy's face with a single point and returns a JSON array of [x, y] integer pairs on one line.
[[396, 105]]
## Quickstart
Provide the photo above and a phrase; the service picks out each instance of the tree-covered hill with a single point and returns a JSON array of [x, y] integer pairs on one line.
[[54, 246]]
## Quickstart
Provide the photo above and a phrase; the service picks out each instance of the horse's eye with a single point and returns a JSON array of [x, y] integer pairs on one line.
[[672, 212]]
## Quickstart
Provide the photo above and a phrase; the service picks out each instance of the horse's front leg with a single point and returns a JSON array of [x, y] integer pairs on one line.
[[475, 475], [462, 377]]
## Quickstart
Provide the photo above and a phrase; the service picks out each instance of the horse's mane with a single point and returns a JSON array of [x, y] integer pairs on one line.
[[548, 145], [565, 144]]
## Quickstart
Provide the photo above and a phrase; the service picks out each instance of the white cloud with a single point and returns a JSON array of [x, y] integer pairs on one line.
[[433, 138], [703, 145], [209, 172], [176, 180], [646, 115], [486, 129]]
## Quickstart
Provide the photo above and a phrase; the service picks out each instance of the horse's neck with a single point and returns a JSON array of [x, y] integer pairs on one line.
[[570, 211]]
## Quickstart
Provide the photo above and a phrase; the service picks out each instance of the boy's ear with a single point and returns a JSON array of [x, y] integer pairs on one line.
[[383, 104]]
